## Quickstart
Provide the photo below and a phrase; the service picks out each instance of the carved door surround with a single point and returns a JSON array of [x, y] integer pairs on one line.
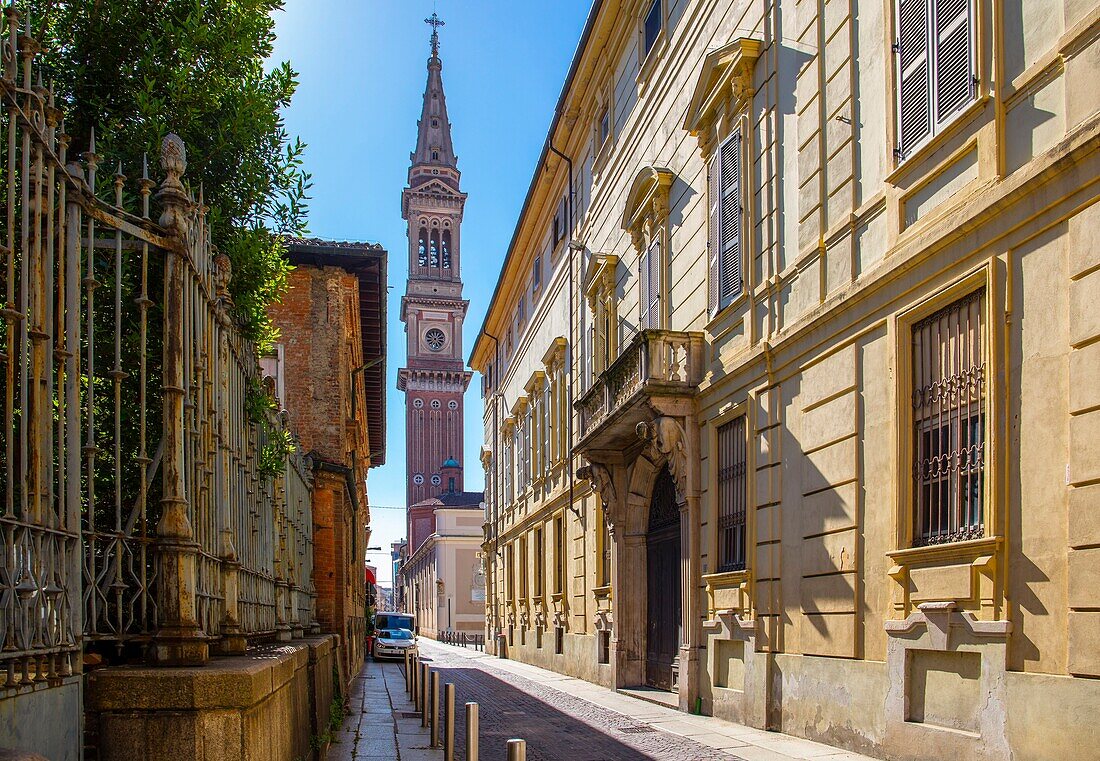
[[624, 481]]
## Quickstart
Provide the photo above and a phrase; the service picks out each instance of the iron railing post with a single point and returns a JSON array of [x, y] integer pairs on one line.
[[179, 639]]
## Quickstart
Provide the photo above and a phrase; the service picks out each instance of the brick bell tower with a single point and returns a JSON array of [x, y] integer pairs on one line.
[[433, 309]]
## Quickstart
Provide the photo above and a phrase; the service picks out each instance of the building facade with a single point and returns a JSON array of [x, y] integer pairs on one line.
[[790, 373], [329, 372], [444, 579], [433, 309]]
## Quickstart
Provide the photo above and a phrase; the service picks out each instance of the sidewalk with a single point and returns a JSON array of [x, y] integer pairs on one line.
[[726, 738], [382, 724]]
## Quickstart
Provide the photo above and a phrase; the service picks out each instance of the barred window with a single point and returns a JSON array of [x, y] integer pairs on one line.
[[603, 547], [732, 465], [949, 409], [559, 554], [540, 562]]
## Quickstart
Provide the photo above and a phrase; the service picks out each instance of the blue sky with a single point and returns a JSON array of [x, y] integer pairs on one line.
[[362, 70]]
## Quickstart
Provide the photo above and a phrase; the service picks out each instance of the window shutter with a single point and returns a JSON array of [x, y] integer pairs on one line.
[[715, 191], [643, 289], [591, 348], [954, 57], [914, 74], [653, 280], [729, 252]]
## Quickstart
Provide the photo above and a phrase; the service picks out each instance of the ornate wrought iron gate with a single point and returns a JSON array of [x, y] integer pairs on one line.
[[137, 509]]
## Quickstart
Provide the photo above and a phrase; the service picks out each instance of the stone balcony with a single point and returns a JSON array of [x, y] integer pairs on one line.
[[656, 363]]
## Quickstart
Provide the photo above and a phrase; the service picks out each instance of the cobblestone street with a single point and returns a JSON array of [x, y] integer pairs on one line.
[[559, 717]]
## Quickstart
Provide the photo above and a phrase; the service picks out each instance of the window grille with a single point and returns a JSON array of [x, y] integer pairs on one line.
[[540, 562], [604, 548], [949, 423], [732, 495], [936, 67], [559, 555]]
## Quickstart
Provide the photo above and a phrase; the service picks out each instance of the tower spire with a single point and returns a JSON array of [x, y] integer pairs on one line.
[[434, 156]]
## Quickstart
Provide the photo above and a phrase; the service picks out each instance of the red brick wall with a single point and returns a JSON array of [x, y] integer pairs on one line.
[[318, 322]]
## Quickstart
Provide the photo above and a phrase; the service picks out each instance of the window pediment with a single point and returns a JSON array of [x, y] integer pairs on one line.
[[555, 355], [600, 277], [726, 73], [647, 198]]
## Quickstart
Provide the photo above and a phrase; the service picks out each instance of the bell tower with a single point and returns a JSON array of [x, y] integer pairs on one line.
[[434, 378]]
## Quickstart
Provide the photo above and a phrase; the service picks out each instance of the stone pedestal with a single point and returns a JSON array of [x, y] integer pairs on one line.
[[265, 705]]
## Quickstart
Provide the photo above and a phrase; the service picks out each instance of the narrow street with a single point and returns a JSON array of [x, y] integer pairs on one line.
[[559, 717]]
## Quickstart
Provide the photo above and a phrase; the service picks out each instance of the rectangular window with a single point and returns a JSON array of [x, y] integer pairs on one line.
[[651, 27], [523, 569], [936, 67], [949, 411], [649, 271], [536, 273], [732, 495], [603, 125], [559, 555], [540, 562], [603, 547], [510, 573], [603, 646]]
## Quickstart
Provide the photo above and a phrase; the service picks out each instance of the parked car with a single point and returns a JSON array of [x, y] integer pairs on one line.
[[392, 643]]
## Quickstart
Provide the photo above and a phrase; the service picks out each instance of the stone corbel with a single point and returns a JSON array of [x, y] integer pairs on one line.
[[604, 621], [938, 618], [667, 440], [731, 624], [599, 477]]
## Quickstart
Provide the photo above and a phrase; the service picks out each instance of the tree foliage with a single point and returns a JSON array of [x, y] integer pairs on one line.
[[135, 70]]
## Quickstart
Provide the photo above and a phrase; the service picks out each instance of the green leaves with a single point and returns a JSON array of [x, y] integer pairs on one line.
[[138, 69]]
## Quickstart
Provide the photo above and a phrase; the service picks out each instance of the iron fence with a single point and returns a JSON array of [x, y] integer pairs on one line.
[[150, 498]]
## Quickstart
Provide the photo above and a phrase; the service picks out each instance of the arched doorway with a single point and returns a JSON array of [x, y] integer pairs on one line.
[[662, 583]]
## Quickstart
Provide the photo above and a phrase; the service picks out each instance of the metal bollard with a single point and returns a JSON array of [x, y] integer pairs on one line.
[[435, 709], [517, 750], [471, 731], [449, 722], [425, 688]]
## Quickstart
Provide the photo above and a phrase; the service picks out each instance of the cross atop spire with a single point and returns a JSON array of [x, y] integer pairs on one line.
[[435, 22]]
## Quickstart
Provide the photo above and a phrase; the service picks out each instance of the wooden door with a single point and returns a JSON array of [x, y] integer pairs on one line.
[[662, 583]]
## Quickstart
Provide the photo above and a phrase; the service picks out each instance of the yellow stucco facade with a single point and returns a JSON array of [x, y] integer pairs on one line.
[[829, 270]]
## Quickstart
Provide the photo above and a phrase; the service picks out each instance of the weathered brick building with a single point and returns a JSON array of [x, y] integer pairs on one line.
[[329, 367]]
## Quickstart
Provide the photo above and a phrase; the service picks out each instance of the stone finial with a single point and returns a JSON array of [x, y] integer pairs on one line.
[[173, 160], [223, 273], [175, 204]]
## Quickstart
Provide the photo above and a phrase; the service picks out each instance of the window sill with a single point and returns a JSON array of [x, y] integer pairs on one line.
[[725, 312], [602, 593], [946, 554], [918, 155], [726, 579], [649, 63]]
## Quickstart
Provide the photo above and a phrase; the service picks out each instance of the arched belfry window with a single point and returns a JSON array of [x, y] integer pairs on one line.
[[446, 249], [433, 259], [422, 253]]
